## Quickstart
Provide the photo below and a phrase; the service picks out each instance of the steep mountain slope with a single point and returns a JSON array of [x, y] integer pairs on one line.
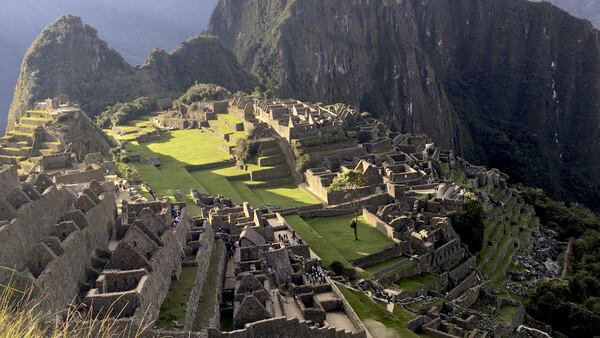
[[522, 77], [132, 27], [68, 57], [585, 9]]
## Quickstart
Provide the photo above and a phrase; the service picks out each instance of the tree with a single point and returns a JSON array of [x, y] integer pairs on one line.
[[350, 183], [469, 225]]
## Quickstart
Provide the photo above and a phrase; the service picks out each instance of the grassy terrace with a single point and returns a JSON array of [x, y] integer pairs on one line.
[[175, 304], [206, 304], [378, 320], [416, 282], [332, 239], [181, 148]]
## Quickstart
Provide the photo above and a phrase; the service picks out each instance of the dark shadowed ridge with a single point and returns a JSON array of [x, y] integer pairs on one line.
[[512, 84]]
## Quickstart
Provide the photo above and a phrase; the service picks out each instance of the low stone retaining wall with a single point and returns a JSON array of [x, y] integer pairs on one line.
[[215, 165]]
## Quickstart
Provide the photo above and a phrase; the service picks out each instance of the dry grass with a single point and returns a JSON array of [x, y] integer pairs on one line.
[[20, 317]]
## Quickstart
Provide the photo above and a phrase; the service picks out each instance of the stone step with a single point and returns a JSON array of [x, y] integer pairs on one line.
[[4, 159], [35, 121], [269, 161], [51, 145], [18, 136], [26, 128], [38, 113], [23, 152]]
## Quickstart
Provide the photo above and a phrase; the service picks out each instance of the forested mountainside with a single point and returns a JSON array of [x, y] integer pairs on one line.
[[510, 83], [132, 27], [69, 57]]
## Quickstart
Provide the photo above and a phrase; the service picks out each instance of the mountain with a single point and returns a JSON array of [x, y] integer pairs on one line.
[[132, 27], [509, 83], [585, 9], [69, 57]]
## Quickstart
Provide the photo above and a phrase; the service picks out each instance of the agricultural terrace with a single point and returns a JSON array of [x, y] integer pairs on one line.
[[332, 239], [179, 149]]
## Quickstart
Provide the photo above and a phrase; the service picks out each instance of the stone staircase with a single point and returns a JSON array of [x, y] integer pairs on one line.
[[27, 138]]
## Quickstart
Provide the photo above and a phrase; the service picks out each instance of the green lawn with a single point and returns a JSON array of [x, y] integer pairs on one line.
[[175, 305], [384, 265], [416, 282], [332, 239], [368, 309], [176, 150], [180, 148]]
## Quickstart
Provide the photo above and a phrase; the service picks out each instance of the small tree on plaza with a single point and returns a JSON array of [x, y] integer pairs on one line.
[[350, 183]]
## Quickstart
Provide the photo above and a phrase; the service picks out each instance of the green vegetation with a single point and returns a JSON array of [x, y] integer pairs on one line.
[[469, 225], [202, 92], [175, 305], [206, 304], [330, 239], [571, 304], [368, 309], [416, 282], [400, 262], [349, 183], [122, 113]]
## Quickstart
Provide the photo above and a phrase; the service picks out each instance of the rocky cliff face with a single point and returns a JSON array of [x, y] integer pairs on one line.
[[68, 57], [520, 77]]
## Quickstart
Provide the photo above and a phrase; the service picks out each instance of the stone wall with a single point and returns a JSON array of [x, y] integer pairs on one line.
[[284, 328], [164, 262], [207, 240], [82, 136], [67, 270], [31, 225], [381, 256], [81, 176], [382, 226]]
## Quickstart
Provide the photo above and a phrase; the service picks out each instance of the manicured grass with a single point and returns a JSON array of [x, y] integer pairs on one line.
[[286, 196], [180, 148], [368, 309], [176, 150], [230, 118], [384, 265], [332, 239], [206, 304], [416, 282], [337, 230], [175, 305]]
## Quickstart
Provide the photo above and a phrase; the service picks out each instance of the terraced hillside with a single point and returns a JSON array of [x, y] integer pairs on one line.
[[29, 139], [202, 160], [508, 227]]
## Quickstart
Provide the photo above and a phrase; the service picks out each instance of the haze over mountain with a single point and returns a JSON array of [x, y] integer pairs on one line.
[[585, 9], [512, 84], [132, 27]]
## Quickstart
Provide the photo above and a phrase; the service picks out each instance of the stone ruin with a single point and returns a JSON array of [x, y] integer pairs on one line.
[[274, 275]]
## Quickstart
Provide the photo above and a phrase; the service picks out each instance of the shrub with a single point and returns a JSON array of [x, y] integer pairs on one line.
[[469, 225], [337, 268], [202, 92], [245, 150], [121, 113]]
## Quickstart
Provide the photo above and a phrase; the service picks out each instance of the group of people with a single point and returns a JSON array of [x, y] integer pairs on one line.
[[287, 240], [176, 215], [316, 275]]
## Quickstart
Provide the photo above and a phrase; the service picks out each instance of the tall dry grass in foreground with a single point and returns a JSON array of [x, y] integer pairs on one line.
[[20, 318]]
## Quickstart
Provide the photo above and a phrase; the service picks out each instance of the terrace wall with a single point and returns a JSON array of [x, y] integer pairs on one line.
[[207, 240]]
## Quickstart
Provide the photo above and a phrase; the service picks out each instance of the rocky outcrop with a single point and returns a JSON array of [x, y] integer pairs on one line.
[[69, 57], [510, 83]]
